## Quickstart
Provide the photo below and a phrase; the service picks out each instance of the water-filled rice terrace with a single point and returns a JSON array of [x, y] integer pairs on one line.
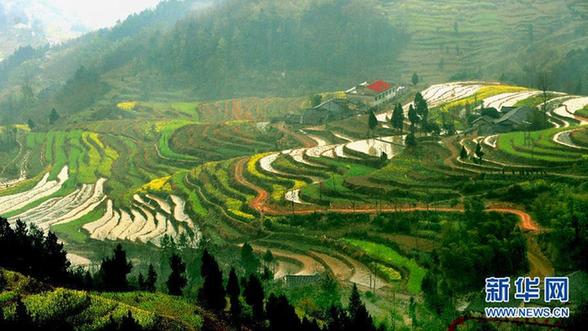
[[321, 198]]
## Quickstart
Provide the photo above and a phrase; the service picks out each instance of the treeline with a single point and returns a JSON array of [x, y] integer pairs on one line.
[[241, 302], [248, 44]]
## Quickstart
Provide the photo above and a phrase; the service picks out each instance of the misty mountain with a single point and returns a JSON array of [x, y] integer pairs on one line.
[[34, 23], [222, 49]]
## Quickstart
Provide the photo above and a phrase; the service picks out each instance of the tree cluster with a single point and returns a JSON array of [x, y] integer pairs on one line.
[[274, 312], [494, 245], [33, 253]]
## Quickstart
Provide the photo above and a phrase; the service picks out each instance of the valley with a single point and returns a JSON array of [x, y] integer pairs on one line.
[[316, 196]]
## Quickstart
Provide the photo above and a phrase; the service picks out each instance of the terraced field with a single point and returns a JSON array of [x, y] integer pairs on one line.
[[241, 180], [489, 41]]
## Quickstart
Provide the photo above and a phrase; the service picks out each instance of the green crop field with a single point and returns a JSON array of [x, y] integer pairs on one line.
[[385, 254]]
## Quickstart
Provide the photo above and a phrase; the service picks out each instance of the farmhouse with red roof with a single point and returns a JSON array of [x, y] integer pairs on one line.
[[372, 94]]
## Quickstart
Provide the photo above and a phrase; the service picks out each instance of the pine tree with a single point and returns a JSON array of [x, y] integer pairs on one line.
[[254, 295], [316, 100], [141, 282], [372, 121], [281, 314], [249, 260], [413, 117], [354, 301], [55, 258], [176, 281], [338, 320], [31, 124], [358, 314], [398, 117], [151, 281], [308, 325], [415, 78], [479, 153], [234, 292], [3, 282], [464, 153], [212, 293], [114, 270], [421, 107], [268, 257], [410, 140], [53, 116]]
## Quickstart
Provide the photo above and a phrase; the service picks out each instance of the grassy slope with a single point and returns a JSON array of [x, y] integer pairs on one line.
[[388, 255], [93, 310]]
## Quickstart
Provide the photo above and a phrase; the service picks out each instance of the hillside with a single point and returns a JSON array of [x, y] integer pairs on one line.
[[34, 23], [492, 39], [55, 307], [206, 56], [215, 151]]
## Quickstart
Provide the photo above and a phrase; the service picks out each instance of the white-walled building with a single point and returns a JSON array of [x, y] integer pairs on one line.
[[372, 94]]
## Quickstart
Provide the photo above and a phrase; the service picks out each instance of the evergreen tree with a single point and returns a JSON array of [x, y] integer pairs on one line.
[[338, 320], [114, 270], [128, 323], [268, 257], [358, 314], [479, 152], [421, 107], [31, 124], [383, 157], [354, 301], [415, 78], [212, 293], [176, 281], [141, 282], [234, 292], [151, 281], [254, 296], [372, 121], [413, 117], [249, 259], [398, 117], [308, 325], [53, 116], [316, 100], [55, 258], [463, 154], [3, 282], [281, 314], [410, 140]]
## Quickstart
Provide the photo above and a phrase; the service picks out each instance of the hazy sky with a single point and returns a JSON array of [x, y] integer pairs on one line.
[[101, 13]]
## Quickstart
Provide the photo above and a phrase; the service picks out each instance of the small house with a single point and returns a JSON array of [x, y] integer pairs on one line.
[[330, 110], [512, 120], [516, 119], [372, 94]]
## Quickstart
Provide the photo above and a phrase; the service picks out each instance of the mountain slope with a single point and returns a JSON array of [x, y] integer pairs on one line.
[[262, 47], [33, 23]]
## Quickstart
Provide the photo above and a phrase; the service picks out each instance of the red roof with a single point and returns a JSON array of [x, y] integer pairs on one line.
[[379, 86]]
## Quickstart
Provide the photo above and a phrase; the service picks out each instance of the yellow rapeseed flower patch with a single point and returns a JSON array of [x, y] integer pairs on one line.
[[159, 184], [127, 105], [485, 92]]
